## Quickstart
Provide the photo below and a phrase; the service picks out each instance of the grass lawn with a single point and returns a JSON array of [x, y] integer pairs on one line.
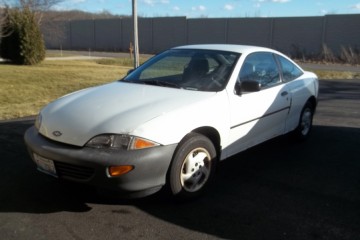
[[324, 74], [24, 90]]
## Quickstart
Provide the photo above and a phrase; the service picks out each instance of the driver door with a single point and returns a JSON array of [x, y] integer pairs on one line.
[[257, 116]]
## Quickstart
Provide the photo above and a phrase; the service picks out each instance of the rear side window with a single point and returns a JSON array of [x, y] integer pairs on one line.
[[289, 70]]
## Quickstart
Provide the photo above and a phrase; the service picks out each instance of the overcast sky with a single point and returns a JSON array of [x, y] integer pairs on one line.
[[217, 8]]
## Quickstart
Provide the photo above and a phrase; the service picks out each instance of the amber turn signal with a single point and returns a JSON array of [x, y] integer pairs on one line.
[[115, 171], [140, 143]]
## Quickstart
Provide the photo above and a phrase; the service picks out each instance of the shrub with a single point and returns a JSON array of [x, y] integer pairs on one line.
[[22, 42], [350, 55], [327, 54], [297, 52]]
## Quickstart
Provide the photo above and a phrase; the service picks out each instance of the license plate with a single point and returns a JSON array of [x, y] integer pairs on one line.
[[45, 165]]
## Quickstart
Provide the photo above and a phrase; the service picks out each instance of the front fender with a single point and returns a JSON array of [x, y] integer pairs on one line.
[[170, 128]]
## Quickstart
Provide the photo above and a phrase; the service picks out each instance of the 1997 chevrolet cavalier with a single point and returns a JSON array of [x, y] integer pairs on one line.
[[172, 119]]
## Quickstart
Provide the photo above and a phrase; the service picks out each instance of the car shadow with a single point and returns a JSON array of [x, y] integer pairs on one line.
[[308, 190], [22, 188], [305, 190]]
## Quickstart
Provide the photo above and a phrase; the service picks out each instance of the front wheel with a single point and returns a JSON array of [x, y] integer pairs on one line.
[[192, 167], [305, 123]]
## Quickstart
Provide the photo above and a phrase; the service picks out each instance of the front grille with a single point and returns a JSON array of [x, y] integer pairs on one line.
[[71, 171]]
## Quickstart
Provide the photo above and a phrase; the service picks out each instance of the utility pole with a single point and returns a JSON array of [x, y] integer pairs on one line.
[[136, 38]]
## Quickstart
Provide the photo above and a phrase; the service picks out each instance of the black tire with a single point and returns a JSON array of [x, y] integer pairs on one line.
[[304, 127], [193, 166]]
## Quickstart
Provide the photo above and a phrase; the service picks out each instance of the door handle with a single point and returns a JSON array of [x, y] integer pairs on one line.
[[285, 93]]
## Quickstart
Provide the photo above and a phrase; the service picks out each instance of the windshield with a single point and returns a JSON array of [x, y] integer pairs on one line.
[[192, 69]]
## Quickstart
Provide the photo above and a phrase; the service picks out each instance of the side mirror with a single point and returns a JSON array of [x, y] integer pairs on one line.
[[247, 86]]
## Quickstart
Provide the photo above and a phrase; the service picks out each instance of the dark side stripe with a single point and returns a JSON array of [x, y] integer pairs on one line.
[[264, 116]]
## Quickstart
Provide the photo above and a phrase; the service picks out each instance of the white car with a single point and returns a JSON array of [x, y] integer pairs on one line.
[[168, 122]]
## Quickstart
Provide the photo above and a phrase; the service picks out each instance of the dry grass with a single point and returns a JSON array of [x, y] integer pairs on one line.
[[120, 61], [25, 89], [336, 74]]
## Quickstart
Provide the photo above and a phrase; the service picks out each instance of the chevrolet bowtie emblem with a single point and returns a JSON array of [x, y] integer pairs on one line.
[[57, 133]]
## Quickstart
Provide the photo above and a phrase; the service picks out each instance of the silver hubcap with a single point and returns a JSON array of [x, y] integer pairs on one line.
[[195, 170], [306, 121]]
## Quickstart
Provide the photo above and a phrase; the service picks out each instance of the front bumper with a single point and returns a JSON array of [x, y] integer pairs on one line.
[[89, 165]]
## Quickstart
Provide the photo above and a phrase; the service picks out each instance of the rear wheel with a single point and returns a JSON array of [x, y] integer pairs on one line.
[[305, 123], [193, 166]]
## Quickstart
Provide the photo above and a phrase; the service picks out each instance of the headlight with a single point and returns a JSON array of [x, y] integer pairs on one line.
[[38, 121], [120, 142]]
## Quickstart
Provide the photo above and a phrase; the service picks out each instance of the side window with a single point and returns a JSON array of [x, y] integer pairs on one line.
[[289, 70], [262, 68]]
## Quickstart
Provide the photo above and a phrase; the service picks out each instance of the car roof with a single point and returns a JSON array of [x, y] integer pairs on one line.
[[243, 49]]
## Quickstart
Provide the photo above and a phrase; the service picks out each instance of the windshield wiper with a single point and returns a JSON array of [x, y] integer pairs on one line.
[[128, 81], [161, 83]]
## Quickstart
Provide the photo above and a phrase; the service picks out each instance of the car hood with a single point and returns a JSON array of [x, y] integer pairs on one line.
[[117, 108]]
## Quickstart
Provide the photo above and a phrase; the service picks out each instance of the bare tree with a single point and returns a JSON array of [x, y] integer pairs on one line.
[[2, 20], [53, 23], [34, 5], [3, 13], [40, 8]]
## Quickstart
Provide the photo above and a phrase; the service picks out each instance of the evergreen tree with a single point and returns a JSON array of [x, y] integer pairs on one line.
[[22, 42]]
